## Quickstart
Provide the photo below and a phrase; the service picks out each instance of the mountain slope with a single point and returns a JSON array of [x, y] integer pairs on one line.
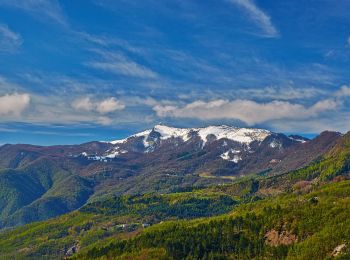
[[311, 226], [276, 227], [115, 216], [42, 182]]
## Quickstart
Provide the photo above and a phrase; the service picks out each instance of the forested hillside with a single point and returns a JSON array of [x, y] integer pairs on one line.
[[309, 226]]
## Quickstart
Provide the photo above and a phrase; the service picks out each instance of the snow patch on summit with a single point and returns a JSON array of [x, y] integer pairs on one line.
[[122, 141], [240, 135], [167, 132]]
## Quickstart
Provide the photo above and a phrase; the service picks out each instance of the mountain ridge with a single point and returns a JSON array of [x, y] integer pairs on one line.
[[221, 130], [173, 159], [160, 133]]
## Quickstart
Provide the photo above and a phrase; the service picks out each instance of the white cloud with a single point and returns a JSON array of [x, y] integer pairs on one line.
[[83, 104], [109, 105], [50, 9], [349, 40], [117, 63], [9, 40], [258, 16], [248, 111], [344, 91], [103, 107], [14, 104]]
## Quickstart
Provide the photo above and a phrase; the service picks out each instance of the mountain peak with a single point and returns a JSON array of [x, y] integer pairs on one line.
[[237, 134]]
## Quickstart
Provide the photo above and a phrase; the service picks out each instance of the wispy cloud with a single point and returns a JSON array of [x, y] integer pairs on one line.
[[7, 86], [107, 41], [258, 16], [9, 40], [281, 93], [48, 9], [118, 63]]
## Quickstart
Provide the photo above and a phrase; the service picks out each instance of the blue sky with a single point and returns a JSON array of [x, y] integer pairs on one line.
[[75, 71]]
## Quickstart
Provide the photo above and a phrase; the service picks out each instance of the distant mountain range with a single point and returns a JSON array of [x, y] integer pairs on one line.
[[40, 182]]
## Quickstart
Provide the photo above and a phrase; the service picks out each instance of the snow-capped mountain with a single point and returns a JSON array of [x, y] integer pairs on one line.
[[241, 135], [212, 150], [231, 141], [161, 159]]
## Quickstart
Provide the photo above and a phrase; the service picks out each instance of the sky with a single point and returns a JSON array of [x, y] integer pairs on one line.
[[82, 70]]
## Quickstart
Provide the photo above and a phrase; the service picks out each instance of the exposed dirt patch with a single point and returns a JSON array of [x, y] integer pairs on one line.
[[275, 238]]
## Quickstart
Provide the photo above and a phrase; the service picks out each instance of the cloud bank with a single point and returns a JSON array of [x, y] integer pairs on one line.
[[248, 111]]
